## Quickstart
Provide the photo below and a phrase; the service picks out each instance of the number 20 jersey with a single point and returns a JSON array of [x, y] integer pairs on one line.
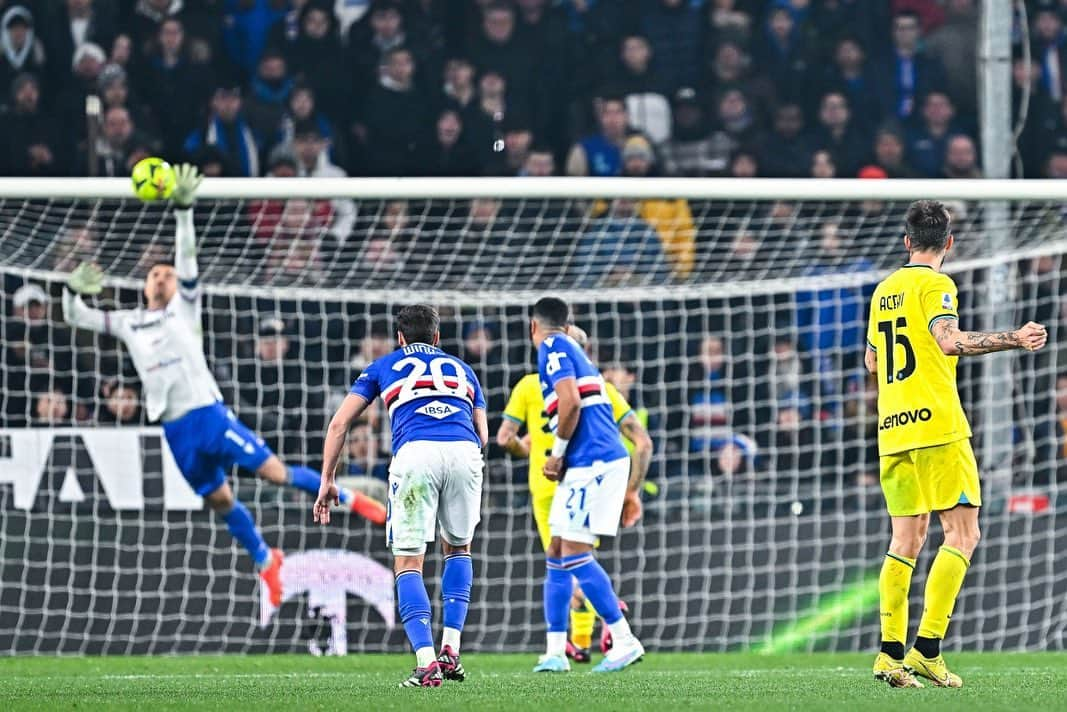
[[918, 401], [429, 394]]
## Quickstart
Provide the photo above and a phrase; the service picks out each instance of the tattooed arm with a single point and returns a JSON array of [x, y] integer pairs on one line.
[[642, 456], [954, 342]]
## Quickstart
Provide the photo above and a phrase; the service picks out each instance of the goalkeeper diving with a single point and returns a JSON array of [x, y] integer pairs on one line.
[[165, 341], [924, 442], [526, 408]]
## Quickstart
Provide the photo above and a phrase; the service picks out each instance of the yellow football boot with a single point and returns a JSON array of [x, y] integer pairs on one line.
[[933, 669], [893, 672]]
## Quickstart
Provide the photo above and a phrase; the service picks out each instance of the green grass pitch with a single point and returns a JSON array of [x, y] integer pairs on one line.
[[663, 682]]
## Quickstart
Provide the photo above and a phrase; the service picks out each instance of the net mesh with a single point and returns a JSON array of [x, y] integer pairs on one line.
[[735, 327]]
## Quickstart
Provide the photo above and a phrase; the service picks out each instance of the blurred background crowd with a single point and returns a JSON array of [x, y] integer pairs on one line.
[[762, 387], [787, 88]]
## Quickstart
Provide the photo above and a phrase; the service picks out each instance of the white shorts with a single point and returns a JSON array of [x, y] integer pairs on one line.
[[588, 502], [433, 483]]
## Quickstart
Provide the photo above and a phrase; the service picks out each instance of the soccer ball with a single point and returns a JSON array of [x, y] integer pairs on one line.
[[153, 179]]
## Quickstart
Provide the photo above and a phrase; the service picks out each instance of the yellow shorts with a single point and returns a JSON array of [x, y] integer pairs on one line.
[[541, 502], [930, 479]]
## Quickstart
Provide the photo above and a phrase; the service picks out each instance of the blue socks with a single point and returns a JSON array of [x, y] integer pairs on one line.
[[595, 585], [456, 580], [306, 479], [558, 590], [414, 606], [243, 527]]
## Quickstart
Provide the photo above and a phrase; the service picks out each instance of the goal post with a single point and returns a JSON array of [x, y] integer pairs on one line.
[[731, 312]]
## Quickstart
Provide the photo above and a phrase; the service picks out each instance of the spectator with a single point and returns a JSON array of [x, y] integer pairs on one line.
[[732, 68], [484, 119], [75, 244], [926, 149], [114, 146], [693, 149], [497, 47], [30, 142], [228, 131], [246, 24], [783, 56], [646, 105], [20, 49], [450, 154], [459, 90], [313, 160], [88, 62], [914, 73], [147, 21], [619, 250], [79, 23], [316, 58], [481, 350], [540, 163], [727, 23], [276, 394], [600, 154], [37, 348], [1049, 53], [671, 219], [737, 119], [1056, 166], [710, 409], [364, 459], [302, 107], [744, 164], [961, 158], [673, 29], [823, 165], [51, 408], [518, 137], [837, 134], [122, 403], [954, 46], [366, 54], [785, 153], [889, 153], [173, 85], [268, 97], [393, 119], [851, 74], [1050, 439]]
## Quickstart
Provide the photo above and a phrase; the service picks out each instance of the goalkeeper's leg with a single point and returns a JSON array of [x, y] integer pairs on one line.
[[942, 588], [307, 480], [243, 528]]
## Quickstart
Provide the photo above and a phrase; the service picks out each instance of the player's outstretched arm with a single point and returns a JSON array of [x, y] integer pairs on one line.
[[186, 180], [639, 463], [351, 408], [954, 342], [85, 279]]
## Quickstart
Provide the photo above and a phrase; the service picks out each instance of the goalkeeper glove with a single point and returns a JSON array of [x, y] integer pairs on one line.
[[86, 279], [186, 180]]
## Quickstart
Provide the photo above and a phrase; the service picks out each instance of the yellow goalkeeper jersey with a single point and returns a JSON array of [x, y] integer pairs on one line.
[[527, 407], [918, 402]]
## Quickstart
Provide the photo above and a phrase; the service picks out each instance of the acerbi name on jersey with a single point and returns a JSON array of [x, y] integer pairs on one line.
[[905, 417]]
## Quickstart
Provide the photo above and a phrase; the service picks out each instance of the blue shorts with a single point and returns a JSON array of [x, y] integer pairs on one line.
[[207, 442]]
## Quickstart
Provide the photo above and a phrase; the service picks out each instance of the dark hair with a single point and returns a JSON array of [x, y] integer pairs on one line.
[[927, 224], [552, 312], [418, 323], [307, 128]]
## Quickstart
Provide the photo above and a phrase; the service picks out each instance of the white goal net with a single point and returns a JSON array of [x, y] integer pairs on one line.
[[731, 314]]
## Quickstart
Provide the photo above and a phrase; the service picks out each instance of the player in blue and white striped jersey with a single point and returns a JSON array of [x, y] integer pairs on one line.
[[437, 411], [165, 341], [593, 470]]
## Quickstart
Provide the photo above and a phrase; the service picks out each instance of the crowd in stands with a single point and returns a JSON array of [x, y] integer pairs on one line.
[[787, 88], [745, 88]]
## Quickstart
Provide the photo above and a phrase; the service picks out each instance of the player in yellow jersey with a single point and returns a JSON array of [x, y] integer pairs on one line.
[[927, 465], [526, 408]]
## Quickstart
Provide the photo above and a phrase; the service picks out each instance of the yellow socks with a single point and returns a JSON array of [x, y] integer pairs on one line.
[[582, 621], [942, 587], [893, 585]]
